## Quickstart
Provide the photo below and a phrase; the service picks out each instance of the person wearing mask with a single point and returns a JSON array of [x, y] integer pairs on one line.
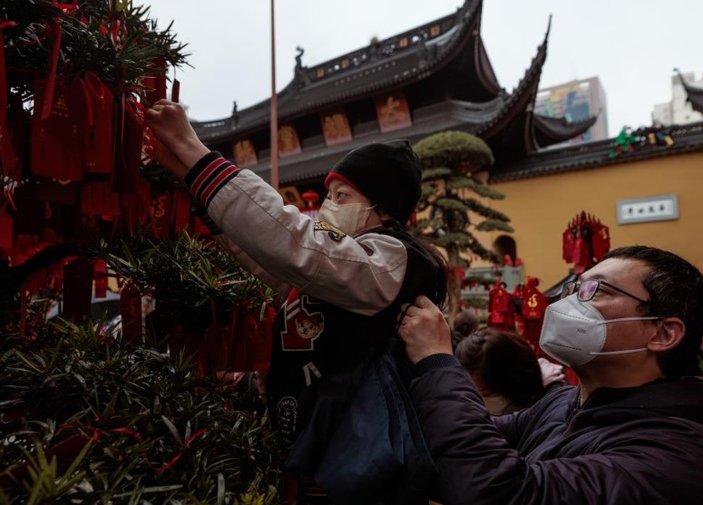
[[346, 275], [631, 433]]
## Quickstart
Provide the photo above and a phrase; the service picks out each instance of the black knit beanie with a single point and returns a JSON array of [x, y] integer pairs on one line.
[[388, 173]]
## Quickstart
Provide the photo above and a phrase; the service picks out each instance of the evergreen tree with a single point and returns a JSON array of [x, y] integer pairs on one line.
[[453, 200]]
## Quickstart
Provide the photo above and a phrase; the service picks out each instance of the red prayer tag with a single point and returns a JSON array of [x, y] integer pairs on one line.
[[59, 192], [6, 232], [181, 211], [131, 309], [98, 132], [57, 141], [97, 198], [77, 290], [129, 133], [100, 274], [161, 210], [155, 84]]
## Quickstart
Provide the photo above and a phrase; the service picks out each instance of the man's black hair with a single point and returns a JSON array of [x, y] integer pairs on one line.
[[675, 289]]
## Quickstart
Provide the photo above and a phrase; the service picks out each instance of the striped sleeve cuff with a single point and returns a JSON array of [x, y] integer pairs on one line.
[[208, 176]]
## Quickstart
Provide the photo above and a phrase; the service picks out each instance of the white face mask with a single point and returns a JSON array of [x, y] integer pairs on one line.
[[574, 332], [350, 218]]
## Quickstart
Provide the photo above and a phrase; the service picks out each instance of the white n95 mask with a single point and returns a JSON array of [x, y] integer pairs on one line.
[[349, 218], [574, 332]]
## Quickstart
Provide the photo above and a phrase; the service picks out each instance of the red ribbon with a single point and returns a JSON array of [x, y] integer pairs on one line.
[[96, 433]]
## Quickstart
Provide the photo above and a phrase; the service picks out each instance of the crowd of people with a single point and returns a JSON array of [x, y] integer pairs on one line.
[[462, 416]]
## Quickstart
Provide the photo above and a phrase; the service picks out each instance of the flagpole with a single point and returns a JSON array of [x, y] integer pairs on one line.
[[274, 106]]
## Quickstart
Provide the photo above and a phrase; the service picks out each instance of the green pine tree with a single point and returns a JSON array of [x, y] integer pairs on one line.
[[450, 197]]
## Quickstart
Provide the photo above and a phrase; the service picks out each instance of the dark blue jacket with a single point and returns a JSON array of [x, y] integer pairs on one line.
[[641, 445]]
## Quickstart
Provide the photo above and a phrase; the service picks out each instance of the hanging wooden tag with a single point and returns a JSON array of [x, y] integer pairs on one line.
[[98, 152], [29, 217], [162, 208], [131, 309], [97, 198], [6, 233], [100, 274], [129, 133], [59, 192], [57, 141], [181, 211], [77, 290]]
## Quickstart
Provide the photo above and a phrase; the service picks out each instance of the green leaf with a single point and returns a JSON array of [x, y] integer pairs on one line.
[[435, 173], [494, 225], [172, 428], [452, 204]]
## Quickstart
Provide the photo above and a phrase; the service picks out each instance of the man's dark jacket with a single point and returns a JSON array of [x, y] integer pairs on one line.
[[641, 445]]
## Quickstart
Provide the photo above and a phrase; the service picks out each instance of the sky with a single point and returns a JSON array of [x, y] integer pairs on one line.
[[631, 45]]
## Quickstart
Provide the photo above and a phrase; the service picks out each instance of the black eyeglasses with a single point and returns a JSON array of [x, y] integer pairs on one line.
[[586, 290]]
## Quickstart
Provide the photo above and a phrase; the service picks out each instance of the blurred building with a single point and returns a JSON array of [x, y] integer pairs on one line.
[[678, 111], [576, 101]]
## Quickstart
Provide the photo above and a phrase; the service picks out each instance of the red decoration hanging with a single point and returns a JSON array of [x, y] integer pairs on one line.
[[181, 211], [155, 84], [501, 310], [100, 272], [161, 211], [585, 241], [98, 152], [97, 198], [6, 234], [129, 133], [59, 192], [57, 139], [77, 290], [534, 304], [131, 310]]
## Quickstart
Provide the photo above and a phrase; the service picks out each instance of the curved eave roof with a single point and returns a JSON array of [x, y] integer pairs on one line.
[[551, 130], [387, 69], [522, 99], [516, 126], [695, 95]]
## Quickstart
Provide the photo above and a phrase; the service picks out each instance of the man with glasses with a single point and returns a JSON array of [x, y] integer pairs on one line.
[[630, 433]]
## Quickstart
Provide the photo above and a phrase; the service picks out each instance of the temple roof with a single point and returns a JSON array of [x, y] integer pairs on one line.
[[448, 52], [695, 95], [687, 138]]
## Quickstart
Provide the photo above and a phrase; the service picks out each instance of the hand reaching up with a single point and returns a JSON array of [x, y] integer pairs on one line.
[[169, 122]]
